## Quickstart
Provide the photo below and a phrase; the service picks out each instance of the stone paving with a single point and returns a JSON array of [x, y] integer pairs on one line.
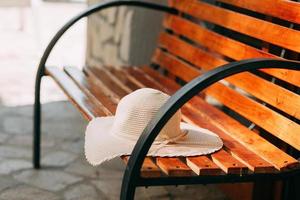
[[65, 173]]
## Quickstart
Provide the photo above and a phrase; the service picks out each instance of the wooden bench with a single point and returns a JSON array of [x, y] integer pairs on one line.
[[257, 111]]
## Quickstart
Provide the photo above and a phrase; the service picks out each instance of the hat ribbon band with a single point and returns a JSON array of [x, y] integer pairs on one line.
[[167, 141]]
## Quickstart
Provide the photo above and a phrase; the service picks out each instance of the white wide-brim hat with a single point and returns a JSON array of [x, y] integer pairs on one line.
[[114, 136]]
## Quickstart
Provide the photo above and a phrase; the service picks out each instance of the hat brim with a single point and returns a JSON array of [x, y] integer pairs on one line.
[[101, 145]]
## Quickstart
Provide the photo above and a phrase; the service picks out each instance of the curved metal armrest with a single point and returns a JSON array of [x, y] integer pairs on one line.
[[98, 7], [177, 100]]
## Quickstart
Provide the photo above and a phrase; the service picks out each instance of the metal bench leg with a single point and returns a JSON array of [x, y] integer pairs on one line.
[[37, 125], [127, 192]]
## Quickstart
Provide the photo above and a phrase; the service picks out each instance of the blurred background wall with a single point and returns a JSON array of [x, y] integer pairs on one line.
[[122, 36]]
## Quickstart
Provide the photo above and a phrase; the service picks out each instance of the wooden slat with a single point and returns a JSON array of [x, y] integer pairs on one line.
[[202, 165], [228, 164], [276, 96], [110, 81], [196, 56], [92, 89], [89, 107], [173, 167], [278, 35], [175, 66], [247, 138], [226, 46], [238, 151], [149, 168], [268, 92], [276, 124], [126, 79], [252, 161], [286, 10], [264, 117], [212, 40]]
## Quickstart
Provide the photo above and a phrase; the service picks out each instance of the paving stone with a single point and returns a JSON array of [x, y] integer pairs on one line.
[[75, 146], [7, 182], [25, 192], [58, 158], [24, 125], [81, 167], [51, 180], [65, 130], [25, 111], [26, 141], [14, 152], [3, 138], [156, 192], [81, 191], [110, 188], [188, 192], [70, 113], [9, 166]]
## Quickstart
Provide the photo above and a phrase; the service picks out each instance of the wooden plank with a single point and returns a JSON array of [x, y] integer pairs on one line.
[[202, 165], [149, 168], [173, 167], [286, 10], [278, 35], [110, 80], [276, 96], [126, 79], [174, 65], [199, 57], [268, 92], [278, 125], [92, 89], [234, 129], [88, 107], [238, 151], [212, 40], [226, 46], [228, 164]]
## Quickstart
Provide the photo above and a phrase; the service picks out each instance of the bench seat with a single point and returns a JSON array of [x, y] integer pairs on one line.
[[95, 91]]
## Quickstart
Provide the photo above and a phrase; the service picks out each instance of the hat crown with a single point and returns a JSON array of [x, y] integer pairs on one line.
[[135, 111]]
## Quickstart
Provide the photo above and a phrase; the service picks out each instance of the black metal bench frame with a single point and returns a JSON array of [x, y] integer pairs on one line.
[[132, 178]]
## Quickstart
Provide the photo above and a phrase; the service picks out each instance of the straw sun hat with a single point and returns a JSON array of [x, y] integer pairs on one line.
[[110, 137]]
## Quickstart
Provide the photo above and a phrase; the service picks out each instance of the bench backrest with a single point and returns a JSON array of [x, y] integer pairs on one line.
[[205, 36]]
